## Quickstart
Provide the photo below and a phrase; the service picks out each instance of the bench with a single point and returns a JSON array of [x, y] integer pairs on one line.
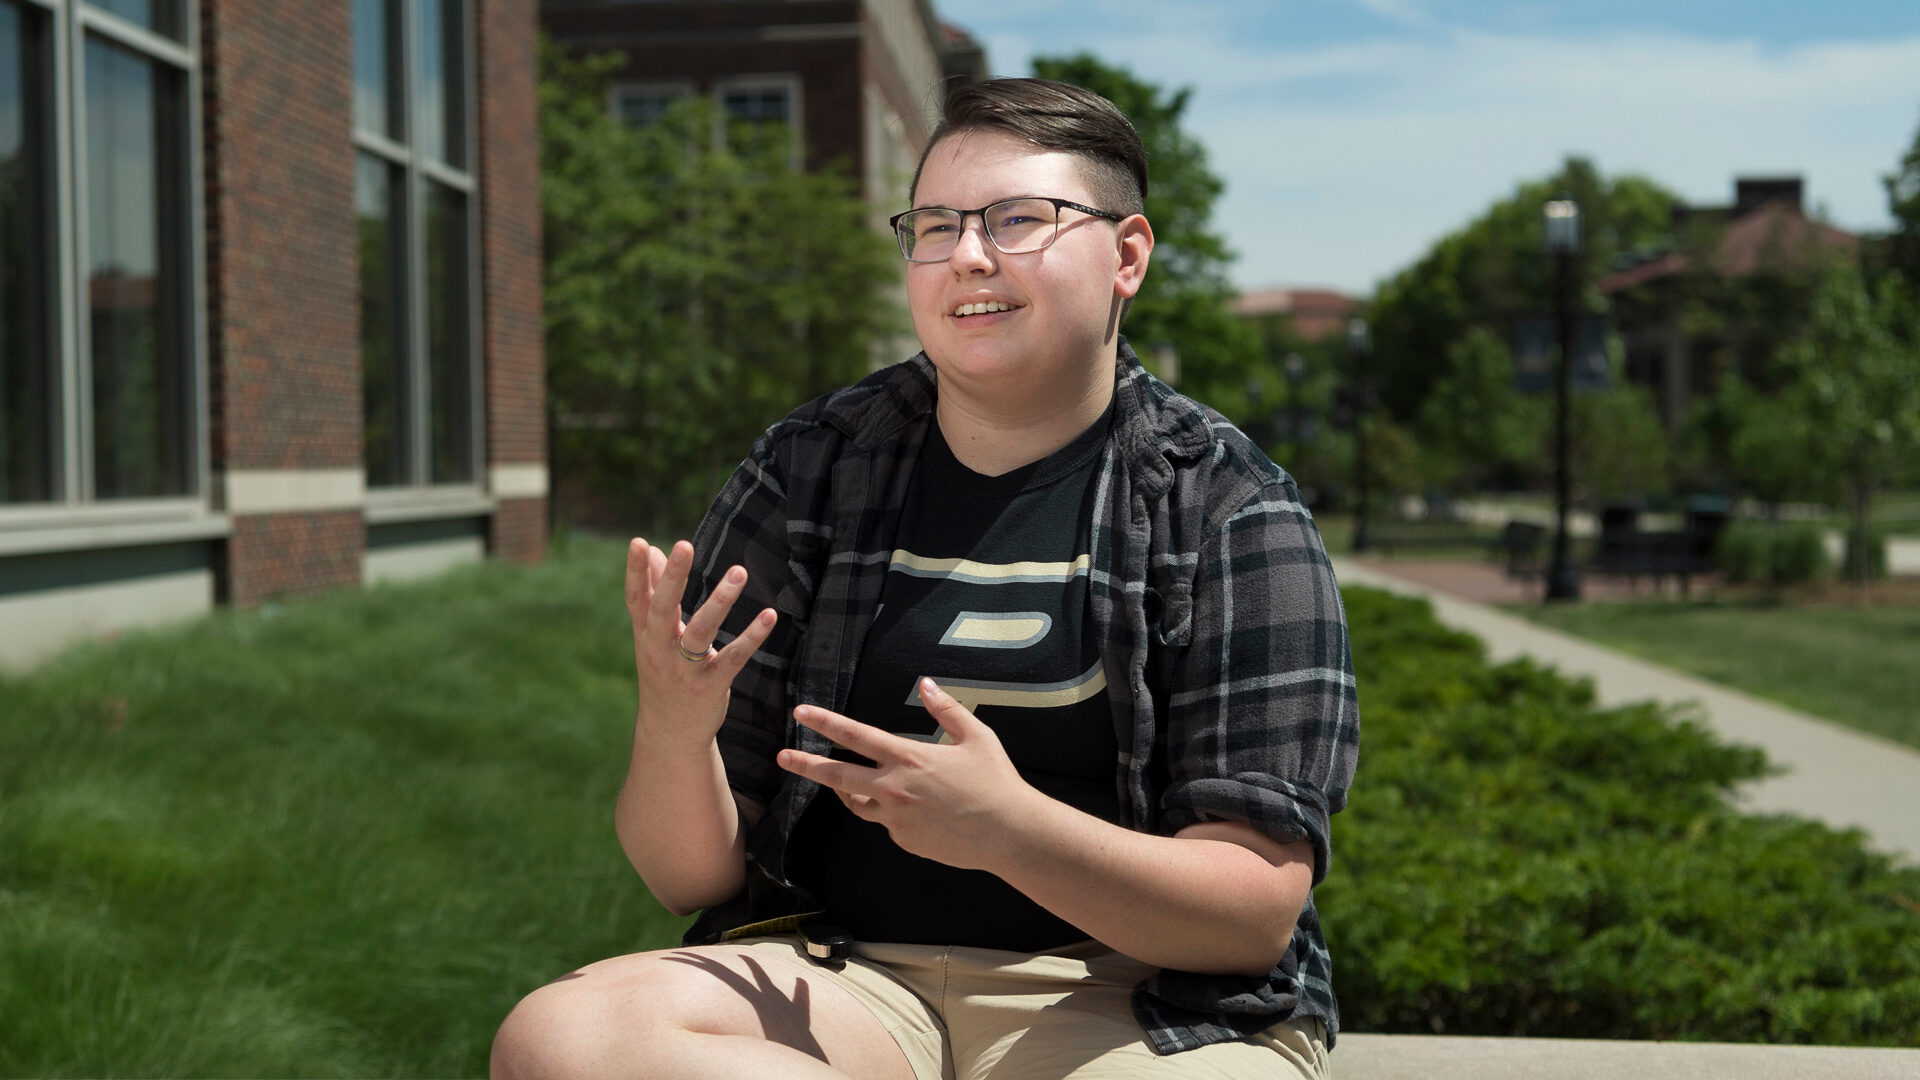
[[1634, 553], [1518, 546]]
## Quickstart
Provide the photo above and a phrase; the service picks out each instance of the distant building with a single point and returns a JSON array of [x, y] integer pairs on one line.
[[860, 82], [270, 312], [1316, 314], [1765, 236]]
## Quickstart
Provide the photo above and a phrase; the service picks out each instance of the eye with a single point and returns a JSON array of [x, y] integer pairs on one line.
[[928, 225]]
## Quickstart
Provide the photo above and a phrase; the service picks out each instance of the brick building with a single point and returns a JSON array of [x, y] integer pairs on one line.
[[1724, 294], [858, 81], [1315, 314], [270, 311]]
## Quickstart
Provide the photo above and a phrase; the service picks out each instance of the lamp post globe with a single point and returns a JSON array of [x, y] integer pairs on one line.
[[1295, 367]]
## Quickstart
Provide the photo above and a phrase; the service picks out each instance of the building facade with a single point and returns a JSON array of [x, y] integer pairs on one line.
[[1724, 294], [859, 82], [270, 316], [1314, 314]]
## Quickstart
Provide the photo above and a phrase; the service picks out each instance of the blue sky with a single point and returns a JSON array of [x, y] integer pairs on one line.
[[1354, 133]]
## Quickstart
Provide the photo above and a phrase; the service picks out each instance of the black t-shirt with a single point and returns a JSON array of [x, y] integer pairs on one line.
[[987, 595]]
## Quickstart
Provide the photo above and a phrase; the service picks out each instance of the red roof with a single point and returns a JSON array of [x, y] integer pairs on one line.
[[1316, 313], [1774, 235]]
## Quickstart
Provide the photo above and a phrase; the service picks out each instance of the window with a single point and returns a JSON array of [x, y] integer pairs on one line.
[[754, 111], [27, 361], [414, 194], [100, 398], [757, 105], [761, 112], [640, 104]]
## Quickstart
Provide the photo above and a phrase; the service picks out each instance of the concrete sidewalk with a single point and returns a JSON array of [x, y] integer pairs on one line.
[[1463, 1057], [1843, 777]]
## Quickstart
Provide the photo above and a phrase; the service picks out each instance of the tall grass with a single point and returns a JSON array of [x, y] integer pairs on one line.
[[334, 838]]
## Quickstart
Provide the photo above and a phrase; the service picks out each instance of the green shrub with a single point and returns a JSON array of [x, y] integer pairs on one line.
[[1518, 861], [1870, 546], [1742, 553], [1800, 554], [1755, 553]]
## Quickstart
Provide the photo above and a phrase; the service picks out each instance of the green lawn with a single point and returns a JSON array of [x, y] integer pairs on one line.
[[336, 838], [1899, 513], [1858, 666]]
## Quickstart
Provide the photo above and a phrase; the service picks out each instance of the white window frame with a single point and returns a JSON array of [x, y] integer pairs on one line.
[[788, 82], [74, 518]]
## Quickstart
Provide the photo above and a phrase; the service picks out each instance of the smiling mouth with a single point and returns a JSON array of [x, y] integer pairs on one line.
[[986, 308]]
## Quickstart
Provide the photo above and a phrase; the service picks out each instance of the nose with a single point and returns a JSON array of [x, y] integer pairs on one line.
[[972, 251]]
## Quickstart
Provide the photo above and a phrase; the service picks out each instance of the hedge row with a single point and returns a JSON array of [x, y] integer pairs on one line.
[[1764, 553], [1518, 861]]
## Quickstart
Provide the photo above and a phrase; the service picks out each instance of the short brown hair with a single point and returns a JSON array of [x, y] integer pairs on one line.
[[1054, 116]]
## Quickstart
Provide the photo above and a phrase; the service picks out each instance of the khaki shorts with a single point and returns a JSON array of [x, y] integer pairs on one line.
[[967, 1014]]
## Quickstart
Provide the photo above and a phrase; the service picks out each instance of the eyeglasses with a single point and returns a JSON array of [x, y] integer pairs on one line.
[[1014, 226]]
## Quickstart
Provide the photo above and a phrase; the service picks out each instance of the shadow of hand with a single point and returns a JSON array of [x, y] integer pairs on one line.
[[784, 1020]]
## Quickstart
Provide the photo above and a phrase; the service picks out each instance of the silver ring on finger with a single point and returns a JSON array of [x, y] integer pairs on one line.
[[696, 657]]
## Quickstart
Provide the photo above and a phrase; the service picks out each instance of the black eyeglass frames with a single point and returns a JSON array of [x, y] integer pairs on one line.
[[1013, 226]]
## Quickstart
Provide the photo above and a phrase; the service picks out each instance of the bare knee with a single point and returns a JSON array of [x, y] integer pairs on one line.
[[620, 1017], [659, 1014], [566, 1030], [525, 1045]]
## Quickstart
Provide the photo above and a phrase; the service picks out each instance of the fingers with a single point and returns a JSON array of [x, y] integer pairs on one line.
[[954, 718], [854, 783], [639, 584], [663, 610], [656, 581], [656, 567], [731, 659], [670, 575], [868, 741], [863, 806], [704, 627]]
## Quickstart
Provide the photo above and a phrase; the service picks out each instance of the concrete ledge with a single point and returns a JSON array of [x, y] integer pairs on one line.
[[1467, 1057]]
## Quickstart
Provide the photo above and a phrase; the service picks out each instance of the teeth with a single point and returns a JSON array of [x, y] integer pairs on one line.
[[982, 308]]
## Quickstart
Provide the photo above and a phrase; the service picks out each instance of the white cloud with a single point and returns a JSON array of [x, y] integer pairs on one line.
[[1344, 162], [1403, 12], [1346, 189]]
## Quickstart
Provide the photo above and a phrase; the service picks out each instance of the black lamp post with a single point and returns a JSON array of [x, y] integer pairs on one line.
[[1359, 344], [1295, 366], [1563, 241]]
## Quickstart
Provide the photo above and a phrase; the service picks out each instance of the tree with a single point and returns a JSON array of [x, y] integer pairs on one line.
[[1903, 201], [1474, 427], [1494, 271], [695, 292], [1619, 448], [1846, 420], [1184, 302]]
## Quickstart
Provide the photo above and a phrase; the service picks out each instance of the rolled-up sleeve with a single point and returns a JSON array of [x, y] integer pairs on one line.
[[1262, 720]]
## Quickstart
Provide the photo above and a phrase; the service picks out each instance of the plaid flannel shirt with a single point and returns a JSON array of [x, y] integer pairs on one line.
[[1221, 628]]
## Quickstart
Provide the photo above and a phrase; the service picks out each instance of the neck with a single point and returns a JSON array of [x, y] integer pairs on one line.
[[997, 434]]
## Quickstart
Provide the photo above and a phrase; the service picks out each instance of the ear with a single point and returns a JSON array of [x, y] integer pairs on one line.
[[1136, 248]]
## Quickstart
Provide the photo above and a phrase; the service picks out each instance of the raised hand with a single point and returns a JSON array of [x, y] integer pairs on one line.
[[949, 802], [683, 678]]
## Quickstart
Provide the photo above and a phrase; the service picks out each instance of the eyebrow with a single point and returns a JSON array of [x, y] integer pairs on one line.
[[996, 202]]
